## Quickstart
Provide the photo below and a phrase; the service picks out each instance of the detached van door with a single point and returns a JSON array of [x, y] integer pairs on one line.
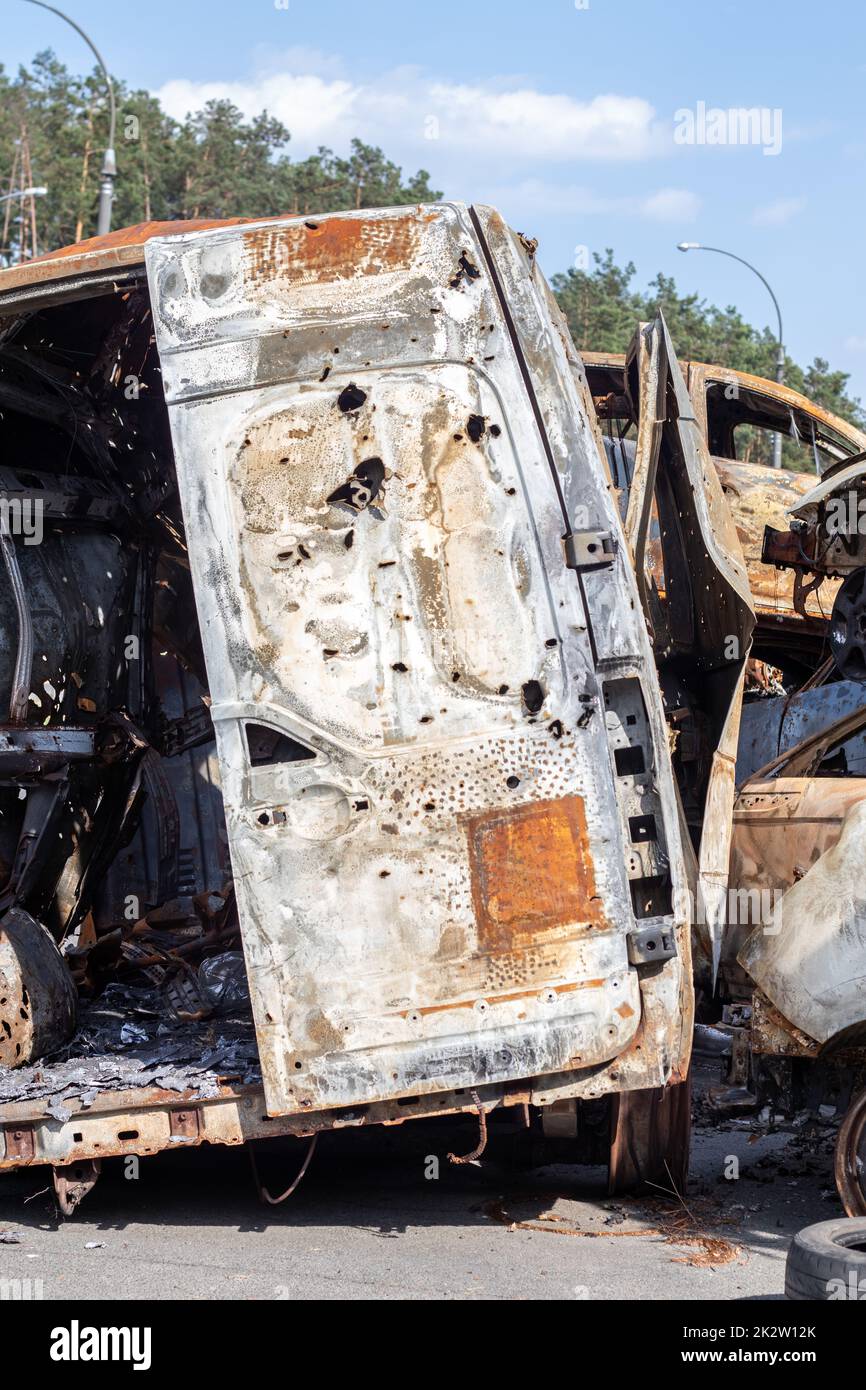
[[421, 766]]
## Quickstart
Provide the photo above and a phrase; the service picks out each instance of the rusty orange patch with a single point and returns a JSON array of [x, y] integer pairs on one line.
[[532, 874], [332, 248]]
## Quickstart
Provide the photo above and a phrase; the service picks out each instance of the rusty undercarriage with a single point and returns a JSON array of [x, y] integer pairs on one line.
[[374, 670]]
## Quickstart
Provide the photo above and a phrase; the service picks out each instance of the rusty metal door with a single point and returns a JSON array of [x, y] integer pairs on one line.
[[379, 447], [705, 612]]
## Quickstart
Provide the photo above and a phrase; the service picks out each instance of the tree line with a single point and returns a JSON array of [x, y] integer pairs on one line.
[[215, 163]]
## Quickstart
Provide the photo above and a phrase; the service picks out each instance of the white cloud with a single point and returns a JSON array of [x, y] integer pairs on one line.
[[315, 109], [404, 110], [855, 343], [779, 213], [671, 205], [543, 196]]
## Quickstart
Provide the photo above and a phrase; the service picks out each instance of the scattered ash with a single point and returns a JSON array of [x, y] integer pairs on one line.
[[126, 1040]]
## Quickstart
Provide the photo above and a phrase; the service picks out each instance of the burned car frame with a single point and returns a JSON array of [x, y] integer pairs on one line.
[[332, 649], [346, 638]]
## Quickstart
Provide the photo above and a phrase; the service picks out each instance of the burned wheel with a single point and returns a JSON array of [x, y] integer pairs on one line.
[[851, 1159], [650, 1138], [847, 630]]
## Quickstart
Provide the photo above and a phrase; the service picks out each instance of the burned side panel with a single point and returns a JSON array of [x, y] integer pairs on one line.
[[428, 846], [810, 958]]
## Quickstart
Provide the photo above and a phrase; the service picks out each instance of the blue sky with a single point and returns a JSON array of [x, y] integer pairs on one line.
[[563, 114]]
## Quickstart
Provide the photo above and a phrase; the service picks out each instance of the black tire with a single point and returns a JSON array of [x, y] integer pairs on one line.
[[827, 1262]]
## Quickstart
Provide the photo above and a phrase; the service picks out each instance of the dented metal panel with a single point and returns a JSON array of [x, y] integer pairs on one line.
[[380, 446], [773, 726], [809, 959]]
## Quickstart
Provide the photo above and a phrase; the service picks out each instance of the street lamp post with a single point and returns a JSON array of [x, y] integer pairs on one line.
[[780, 350], [23, 193], [18, 195], [108, 173]]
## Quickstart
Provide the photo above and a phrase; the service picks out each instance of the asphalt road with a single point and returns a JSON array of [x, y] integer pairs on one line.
[[367, 1223]]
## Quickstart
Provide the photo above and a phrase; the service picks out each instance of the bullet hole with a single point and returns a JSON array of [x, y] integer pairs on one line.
[[467, 271], [385, 873], [503, 690], [458, 438], [475, 427], [533, 696], [351, 398], [264, 818], [513, 783], [302, 550], [426, 719], [552, 642], [312, 226], [494, 429], [362, 805], [455, 675], [285, 555], [325, 374], [329, 652], [399, 666], [284, 459], [362, 488], [386, 564], [429, 805], [556, 728], [349, 539]]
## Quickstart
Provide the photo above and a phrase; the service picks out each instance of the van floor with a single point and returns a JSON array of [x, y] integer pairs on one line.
[[126, 1039]]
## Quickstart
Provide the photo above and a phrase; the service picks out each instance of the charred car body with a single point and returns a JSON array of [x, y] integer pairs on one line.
[[372, 631], [781, 970], [331, 625]]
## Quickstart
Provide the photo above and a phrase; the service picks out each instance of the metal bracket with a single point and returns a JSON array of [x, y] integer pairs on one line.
[[20, 1142], [73, 1181], [650, 945], [589, 550], [190, 731]]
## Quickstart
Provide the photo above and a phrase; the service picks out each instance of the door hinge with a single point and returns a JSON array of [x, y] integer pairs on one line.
[[649, 945], [588, 550]]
